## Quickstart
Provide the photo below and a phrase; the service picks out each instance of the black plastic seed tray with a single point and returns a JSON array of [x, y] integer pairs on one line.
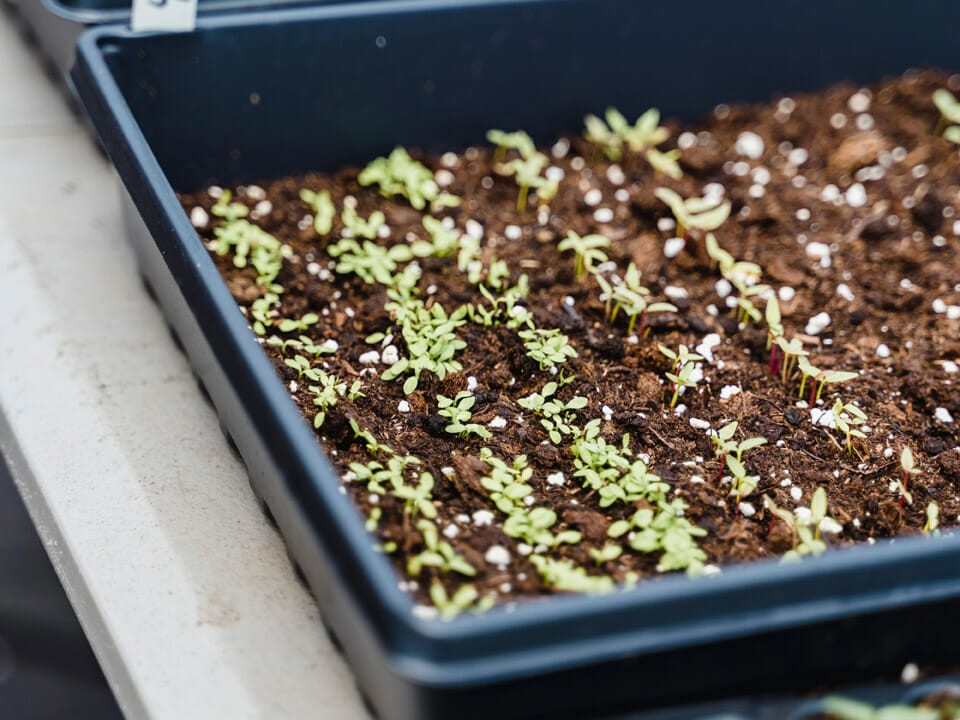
[[343, 83], [56, 24]]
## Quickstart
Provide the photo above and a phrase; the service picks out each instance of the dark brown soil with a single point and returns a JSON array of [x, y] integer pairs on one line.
[[897, 254]]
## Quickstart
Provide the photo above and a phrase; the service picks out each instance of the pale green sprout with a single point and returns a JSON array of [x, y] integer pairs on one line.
[[771, 314], [588, 250], [847, 418], [549, 348], [933, 519], [841, 708], [725, 445], [806, 541], [323, 210], [701, 214], [743, 484], [418, 498], [227, 210], [363, 228], [793, 353], [909, 468], [949, 113], [641, 138], [498, 273], [399, 174], [746, 310], [517, 140], [629, 295], [527, 173], [458, 411], [438, 554], [463, 600], [682, 379], [833, 377]]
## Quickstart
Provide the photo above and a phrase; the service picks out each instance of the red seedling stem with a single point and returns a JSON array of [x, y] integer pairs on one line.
[[643, 321], [813, 389], [773, 360], [720, 470]]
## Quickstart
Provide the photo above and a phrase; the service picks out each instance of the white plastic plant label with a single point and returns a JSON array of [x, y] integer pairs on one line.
[[170, 15]]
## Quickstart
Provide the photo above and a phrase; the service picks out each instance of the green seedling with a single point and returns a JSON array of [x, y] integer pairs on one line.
[[682, 379], [399, 174], [373, 519], [382, 479], [458, 411], [791, 352], [933, 518], [821, 378], [227, 210], [301, 325], [588, 250], [841, 708], [464, 599], [326, 395], [847, 418], [263, 310], [431, 340], [359, 227], [565, 576], [303, 368], [629, 295], [370, 262], [323, 210], [504, 309], [548, 348], [533, 528], [507, 484], [557, 415], [681, 357], [607, 553], [418, 498], [373, 445], [725, 446], [517, 140], [949, 123], [327, 347], [695, 216], [664, 529], [909, 468], [444, 241], [438, 554], [252, 245]]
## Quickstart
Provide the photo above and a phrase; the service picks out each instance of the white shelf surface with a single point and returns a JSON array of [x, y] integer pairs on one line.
[[184, 590]]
